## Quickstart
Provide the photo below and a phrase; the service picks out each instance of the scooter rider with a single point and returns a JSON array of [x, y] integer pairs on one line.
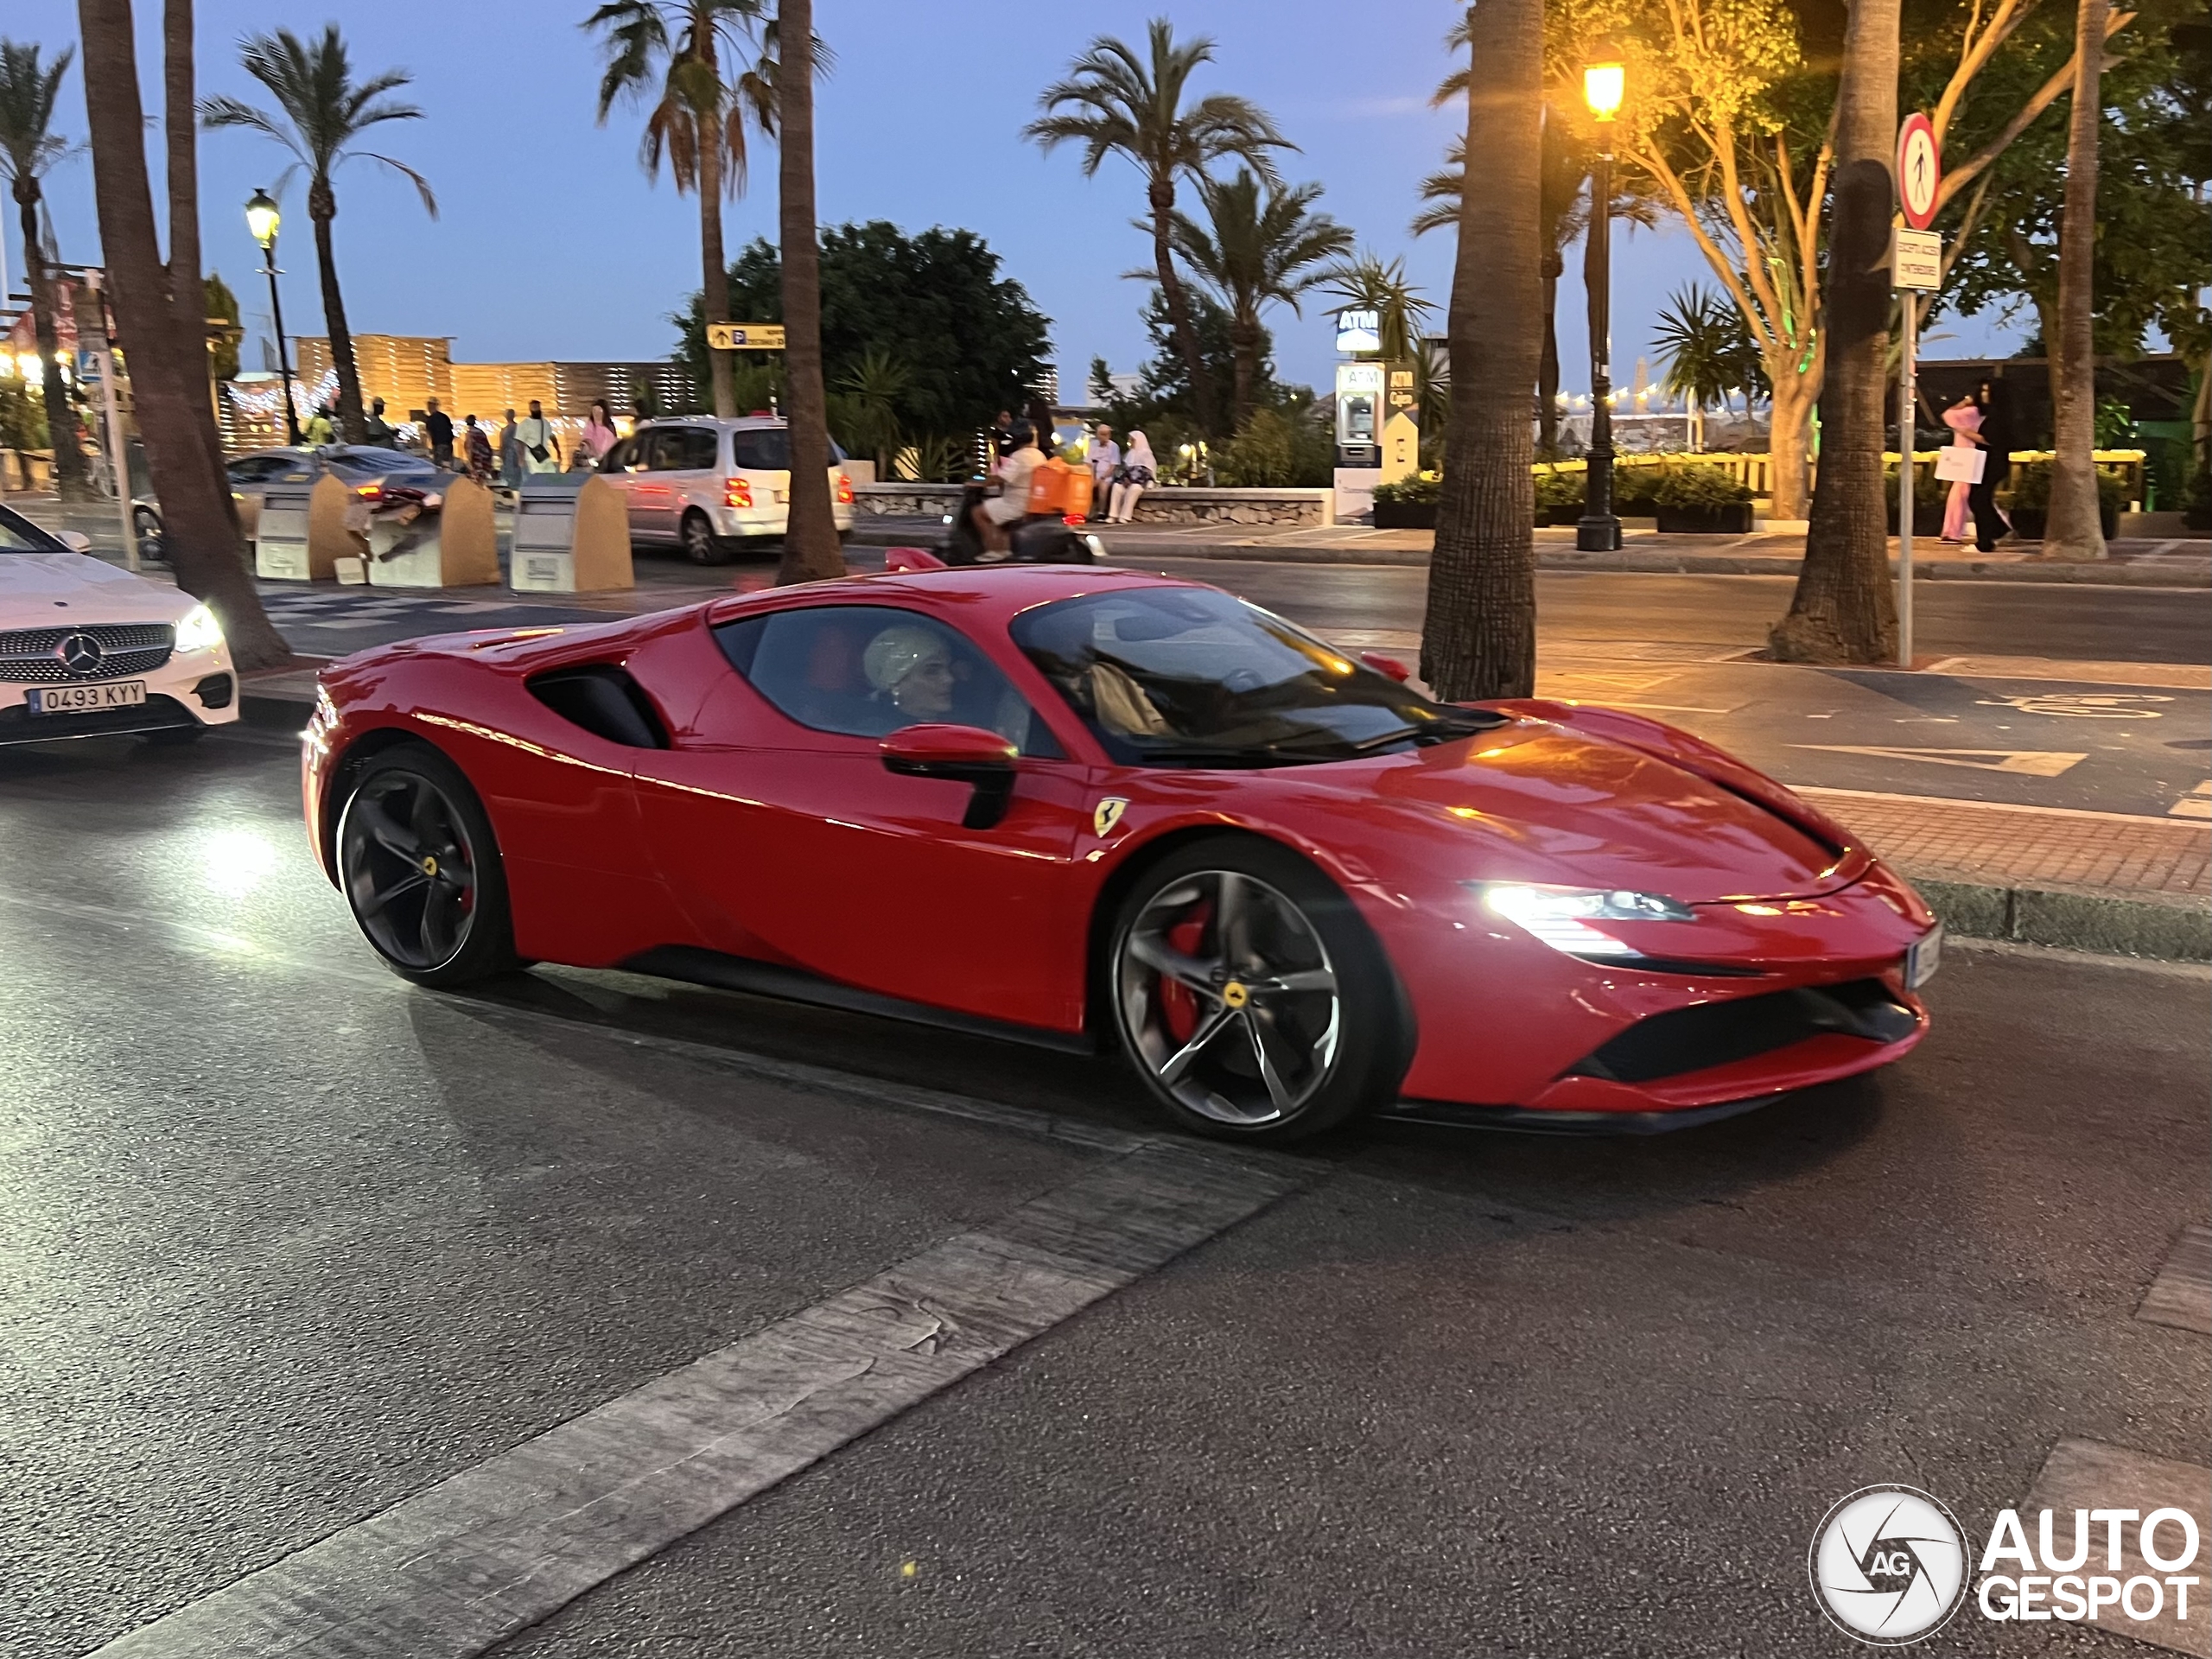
[[994, 514]]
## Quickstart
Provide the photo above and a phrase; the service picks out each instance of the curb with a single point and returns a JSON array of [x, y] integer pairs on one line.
[[2151, 925]]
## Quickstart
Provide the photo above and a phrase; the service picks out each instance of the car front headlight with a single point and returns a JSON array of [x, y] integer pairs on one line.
[[198, 630], [1562, 917]]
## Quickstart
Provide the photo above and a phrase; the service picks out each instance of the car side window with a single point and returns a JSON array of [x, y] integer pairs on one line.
[[657, 451], [867, 670], [700, 444], [621, 457]]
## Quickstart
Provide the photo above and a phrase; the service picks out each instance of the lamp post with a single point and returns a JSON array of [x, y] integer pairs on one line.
[[1599, 531], [261, 221]]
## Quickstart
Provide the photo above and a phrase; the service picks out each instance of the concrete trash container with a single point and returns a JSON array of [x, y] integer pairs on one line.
[[572, 536], [282, 546], [455, 546]]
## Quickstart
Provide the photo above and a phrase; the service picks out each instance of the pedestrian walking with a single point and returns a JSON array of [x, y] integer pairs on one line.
[[1130, 480], [509, 454], [598, 435], [1105, 460], [319, 430], [1964, 419], [437, 426], [541, 444], [1991, 526], [476, 450]]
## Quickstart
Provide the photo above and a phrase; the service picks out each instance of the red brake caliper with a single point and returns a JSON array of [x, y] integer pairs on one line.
[[1178, 1003]]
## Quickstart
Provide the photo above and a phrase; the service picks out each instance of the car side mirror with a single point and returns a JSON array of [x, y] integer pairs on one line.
[[966, 754], [1386, 665], [75, 540]]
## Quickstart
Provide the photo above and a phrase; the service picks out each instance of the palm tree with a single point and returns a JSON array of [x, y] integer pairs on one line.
[[872, 389], [189, 298], [169, 374], [1369, 282], [1113, 102], [1709, 351], [698, 120], [1478, 636], [2074, 531], [28, 147], [1263, 249], [811, 550], [1844, 610], [324, 114]]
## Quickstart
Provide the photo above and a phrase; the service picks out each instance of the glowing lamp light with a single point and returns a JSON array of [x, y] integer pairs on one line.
[[1604, 86], [262, 218]]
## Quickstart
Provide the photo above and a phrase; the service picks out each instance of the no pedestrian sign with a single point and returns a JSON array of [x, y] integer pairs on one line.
[[745, 336], [1920, 170]]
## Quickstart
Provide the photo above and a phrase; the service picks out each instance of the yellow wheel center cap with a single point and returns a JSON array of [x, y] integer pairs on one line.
[[430, 866], [1235, 995]]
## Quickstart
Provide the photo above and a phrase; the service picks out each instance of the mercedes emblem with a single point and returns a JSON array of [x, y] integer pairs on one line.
[[79, 653]]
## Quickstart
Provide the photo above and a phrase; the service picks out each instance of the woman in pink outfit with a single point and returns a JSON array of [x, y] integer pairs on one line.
[[1964, 419]]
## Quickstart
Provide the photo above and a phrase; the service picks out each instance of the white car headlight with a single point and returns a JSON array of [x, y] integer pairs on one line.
[[198, 630], [1561, 916]]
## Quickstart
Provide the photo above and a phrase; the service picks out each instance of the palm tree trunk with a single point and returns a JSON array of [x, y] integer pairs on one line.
[[180, 140], [2073, 530], [195, 507], [1845, 610], [1246, 336], [69, 479], [1788, 445], [1547, 360], [714, 292], [1161, 199], [1479, 638], [811, 552], [353, 424]]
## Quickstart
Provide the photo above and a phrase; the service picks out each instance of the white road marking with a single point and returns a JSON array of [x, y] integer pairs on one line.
[[1823, 792], [2182, 1293], [2197, 803], [2086, 1475], [2032, 763], [454, 1569]]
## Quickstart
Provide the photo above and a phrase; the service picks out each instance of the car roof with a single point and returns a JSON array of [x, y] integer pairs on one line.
[[729, 422], [991, 593]]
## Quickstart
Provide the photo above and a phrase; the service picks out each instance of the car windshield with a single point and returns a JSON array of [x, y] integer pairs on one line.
[[1189, 677], [19, 535]]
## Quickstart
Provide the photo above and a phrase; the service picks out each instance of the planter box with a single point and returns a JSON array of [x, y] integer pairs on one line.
[[2029, 523], [1404, 515], [1570, 514], [1730, 518], [1927, 521]]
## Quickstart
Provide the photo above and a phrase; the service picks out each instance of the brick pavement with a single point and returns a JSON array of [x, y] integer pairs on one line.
[[2001, 845]]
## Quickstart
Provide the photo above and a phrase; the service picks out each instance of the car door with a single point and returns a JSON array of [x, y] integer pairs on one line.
[[696, 476], [787, 840]]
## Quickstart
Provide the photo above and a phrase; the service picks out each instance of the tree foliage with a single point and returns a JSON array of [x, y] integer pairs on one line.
[[931, 309]]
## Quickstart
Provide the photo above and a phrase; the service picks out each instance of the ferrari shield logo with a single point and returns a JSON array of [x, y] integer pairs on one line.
[[1106, 815]]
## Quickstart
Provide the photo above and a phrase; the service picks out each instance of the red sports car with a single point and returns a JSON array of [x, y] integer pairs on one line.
[[1087, 807]]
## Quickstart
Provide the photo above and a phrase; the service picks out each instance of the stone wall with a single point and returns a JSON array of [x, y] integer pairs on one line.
[[1159, 505]]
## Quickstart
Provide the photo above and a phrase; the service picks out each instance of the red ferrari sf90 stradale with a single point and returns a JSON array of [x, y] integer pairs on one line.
[[1092, 808]]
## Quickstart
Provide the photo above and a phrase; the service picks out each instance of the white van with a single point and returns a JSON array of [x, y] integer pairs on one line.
[[709, 485]]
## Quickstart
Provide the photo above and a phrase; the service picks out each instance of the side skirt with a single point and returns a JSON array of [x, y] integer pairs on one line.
[[701, 967], [1524, 1121]]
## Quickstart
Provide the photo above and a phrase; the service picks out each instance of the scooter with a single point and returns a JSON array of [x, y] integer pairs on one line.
[[1039, 539]]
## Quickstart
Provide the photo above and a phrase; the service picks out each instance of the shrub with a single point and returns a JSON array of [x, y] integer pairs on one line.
[[1275, 451], [23, 414], [1699, 487], [1422, 489], [1636, 492], [1928, 490], [2030, 488], [1557, 489]]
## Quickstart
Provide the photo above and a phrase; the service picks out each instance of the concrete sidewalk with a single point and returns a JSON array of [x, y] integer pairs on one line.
[[2183, 563]]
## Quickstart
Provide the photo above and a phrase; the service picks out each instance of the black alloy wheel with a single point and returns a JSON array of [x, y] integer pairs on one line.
[[421, 871], [696, 536], [153, 540], [1250, 996]]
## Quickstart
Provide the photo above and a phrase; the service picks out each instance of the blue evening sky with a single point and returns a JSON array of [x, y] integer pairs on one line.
[[551, 243]]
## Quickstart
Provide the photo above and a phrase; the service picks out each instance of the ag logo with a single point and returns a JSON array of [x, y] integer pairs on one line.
[[1106, 815], [1888, 1566]]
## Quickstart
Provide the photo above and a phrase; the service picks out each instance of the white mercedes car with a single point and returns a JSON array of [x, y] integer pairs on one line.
[[88, 650]]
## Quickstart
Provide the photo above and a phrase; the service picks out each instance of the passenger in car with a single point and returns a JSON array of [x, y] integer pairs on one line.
[[909, 669]]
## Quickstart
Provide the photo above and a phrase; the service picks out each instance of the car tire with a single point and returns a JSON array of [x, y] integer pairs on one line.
[[1249, 997], [421, 870], [696, 536]]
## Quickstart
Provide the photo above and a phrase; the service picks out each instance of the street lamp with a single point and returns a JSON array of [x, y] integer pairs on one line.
[[262, 220], [1604, 86]]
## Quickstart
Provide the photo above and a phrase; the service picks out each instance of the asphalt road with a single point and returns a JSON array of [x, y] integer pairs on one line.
[[2004, 618], [287, 1242]]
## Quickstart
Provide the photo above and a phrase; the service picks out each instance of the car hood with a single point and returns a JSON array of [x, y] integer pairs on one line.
[[46, 590], [1552, 804]]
